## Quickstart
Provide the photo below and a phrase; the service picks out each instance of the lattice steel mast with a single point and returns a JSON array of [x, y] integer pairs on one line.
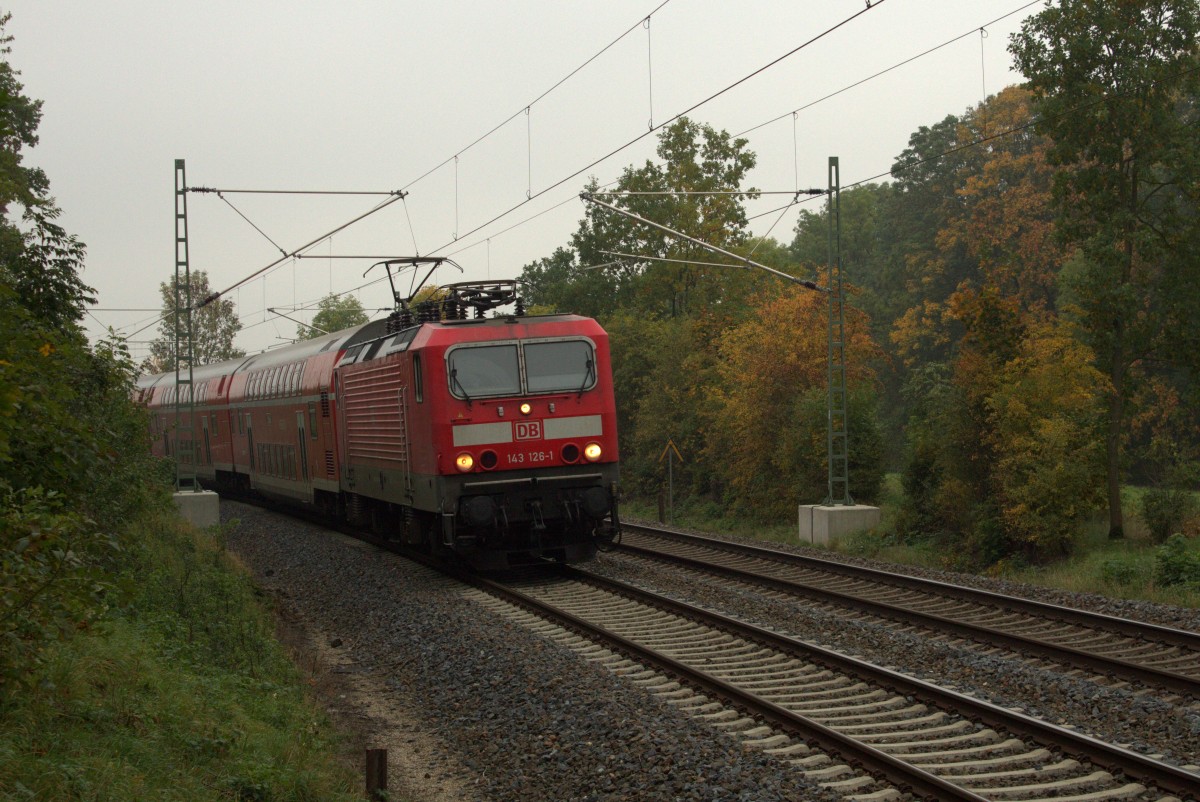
[[836, 407], [185, 401]]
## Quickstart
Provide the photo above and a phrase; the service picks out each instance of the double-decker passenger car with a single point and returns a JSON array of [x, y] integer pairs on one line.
[[492, 437]]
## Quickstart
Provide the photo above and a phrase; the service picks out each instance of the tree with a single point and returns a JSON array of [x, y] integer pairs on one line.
[[695, 158], [766, 408], [41, 263], [1116, 83], [335, 313], [214, 326], [74, 457]]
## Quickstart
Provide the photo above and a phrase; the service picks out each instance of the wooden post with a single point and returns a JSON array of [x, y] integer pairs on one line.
[[377, 775]]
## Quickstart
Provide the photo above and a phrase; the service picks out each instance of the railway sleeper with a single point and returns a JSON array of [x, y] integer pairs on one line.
[[765, 676], [770, 742], [707, 707], [918, 740], [867, 708], [882, 795], [851, 784], [825, 690], [1051, 790], [874, 721], [970, 779], [741, 723], [686, 702], [948, 759], [812, 761], [788, 699], [835, 772]]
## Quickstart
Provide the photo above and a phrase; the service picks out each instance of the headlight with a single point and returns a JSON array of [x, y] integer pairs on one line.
[[592, 451], [526, 409], [464, 462]]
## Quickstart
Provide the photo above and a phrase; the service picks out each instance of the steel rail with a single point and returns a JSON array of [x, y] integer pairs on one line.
[[899, 773], [1076, 657], [1111, 623], [1163, 775]]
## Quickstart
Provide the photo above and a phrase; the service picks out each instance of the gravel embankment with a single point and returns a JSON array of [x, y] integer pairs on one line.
[[524, 718]]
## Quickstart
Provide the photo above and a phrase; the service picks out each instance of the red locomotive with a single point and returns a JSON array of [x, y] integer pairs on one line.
[[492, 437]]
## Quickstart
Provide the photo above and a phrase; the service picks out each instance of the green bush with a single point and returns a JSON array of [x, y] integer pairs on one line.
[[1166, 509], [1175, 563], [1120, 571], [53, 581]]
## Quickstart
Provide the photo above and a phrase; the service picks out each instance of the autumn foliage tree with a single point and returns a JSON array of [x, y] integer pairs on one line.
[[765, 428], [1004, 410], [1116, 84]]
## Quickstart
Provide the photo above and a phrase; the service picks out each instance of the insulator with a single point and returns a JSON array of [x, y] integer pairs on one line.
[[427, 312], [520, 307]]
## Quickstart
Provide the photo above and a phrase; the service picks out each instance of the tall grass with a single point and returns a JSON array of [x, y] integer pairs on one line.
[[182, 695]]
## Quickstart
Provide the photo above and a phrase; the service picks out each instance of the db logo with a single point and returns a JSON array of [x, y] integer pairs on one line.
[[529, 430]]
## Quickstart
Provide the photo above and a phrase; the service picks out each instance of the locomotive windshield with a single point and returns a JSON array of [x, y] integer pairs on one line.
[[549, 366], [555, 366], [484, 370]]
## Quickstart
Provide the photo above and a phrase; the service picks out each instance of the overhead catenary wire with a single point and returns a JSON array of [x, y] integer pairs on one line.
[[217, 191], [886, 70], [982, 140], [644, 21], [221, 195], [570, 199], [575, 174], [540, 97], [683, 113], [794, 114], [214, 296]]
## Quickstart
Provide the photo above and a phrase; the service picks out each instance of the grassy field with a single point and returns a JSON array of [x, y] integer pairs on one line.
[[182, 694], [1129, 568]]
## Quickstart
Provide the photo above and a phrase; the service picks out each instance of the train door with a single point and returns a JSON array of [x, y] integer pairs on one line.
[[207, 441], [250, 439], [303, 445]]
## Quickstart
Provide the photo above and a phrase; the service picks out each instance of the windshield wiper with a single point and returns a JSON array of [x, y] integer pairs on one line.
[[589, 374], [454, 381]]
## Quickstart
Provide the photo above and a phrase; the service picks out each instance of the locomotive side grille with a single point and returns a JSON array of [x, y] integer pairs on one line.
[[374, 421], [324, 403], [329, 465]]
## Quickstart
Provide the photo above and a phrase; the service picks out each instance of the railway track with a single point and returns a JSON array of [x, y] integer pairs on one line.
[[865, 731], [1130, 651]]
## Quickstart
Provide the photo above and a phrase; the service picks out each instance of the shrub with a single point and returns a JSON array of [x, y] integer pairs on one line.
[[1166, 509], [1176, 564], [1120, 571], [52, 578]]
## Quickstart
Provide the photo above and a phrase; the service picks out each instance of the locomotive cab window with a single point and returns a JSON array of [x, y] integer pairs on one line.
[[543, 366], [484, 370], [566, 365]]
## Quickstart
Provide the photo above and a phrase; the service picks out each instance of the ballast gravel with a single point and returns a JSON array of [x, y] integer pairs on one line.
[[526, 718]]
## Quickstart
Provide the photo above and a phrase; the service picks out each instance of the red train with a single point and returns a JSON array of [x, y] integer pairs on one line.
[[492, 437]]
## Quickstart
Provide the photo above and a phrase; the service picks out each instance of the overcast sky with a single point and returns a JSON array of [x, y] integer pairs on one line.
[[380, 96]]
